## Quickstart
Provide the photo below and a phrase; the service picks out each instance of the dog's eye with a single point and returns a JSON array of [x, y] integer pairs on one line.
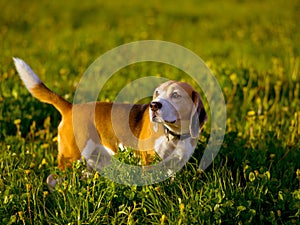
[[175, 95], [156, 93]]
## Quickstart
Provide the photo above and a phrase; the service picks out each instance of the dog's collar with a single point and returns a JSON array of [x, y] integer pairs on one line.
[[169, 133]]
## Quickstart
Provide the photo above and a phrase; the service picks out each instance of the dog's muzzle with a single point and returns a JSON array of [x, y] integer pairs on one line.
[[155, 106], [156, 116]]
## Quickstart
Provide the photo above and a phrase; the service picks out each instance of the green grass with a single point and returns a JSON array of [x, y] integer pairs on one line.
[[252, 47]]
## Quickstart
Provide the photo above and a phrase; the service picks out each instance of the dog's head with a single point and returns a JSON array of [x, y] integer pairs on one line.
[[179, 107]]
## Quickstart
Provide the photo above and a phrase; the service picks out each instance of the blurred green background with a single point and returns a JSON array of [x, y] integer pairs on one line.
[[79, 31]]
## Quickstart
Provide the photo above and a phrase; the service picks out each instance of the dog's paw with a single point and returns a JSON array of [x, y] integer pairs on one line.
[[51, 182]]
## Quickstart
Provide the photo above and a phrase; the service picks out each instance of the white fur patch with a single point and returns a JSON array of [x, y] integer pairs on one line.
[[121, 146], [184, 150], [97, 156], [161, 148], [88, 149], [175, 155], [29, 78]]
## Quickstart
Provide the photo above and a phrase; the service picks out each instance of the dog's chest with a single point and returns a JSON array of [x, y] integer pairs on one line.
[[181, 149]]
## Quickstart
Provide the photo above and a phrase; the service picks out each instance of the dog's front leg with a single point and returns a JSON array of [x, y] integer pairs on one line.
[[179, 157]]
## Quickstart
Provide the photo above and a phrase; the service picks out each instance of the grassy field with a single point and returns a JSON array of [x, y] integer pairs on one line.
[[252, 47]]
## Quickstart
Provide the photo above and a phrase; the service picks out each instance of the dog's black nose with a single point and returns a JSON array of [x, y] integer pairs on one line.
[[155, 106]]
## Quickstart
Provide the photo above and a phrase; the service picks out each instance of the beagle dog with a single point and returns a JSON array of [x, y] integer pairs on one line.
[[169, 126]]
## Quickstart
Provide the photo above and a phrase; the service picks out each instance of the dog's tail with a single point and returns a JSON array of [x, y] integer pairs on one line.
[[38, 89]]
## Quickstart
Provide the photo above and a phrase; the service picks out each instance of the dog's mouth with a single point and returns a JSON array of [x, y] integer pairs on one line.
[[170, 122], [158, 119]]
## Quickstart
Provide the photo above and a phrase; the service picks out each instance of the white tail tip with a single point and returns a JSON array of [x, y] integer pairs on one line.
[[29, 78]]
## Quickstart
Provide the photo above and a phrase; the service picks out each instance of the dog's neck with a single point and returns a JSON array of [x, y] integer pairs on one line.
[[180, 128], [171, 135]]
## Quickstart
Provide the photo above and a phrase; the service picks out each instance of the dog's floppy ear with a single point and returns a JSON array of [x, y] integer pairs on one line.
[[198, 115]]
